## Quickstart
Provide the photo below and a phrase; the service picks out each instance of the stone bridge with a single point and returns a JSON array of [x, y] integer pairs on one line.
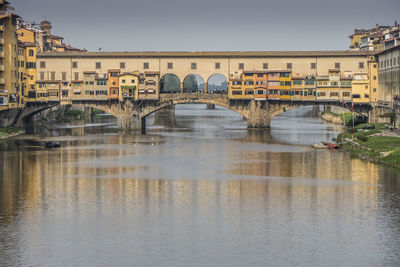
[[132, 115]]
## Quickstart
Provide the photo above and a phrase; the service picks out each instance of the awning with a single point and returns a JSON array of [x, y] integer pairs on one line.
[[77, 90]]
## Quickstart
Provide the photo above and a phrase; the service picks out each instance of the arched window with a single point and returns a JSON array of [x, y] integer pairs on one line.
[[31, 52]]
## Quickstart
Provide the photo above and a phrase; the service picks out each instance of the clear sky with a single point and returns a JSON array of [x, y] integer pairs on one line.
[[209, 25]]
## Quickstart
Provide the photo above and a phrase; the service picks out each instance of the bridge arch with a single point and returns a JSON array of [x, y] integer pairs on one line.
[[279, 108], [218, 102], [170, 83], [193, 83], [217, 83]]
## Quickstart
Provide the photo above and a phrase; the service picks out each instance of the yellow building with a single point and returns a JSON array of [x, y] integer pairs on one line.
[[9, 92], [285, 79], [236, 89], [21, 75], [373, 79], [360, 88], [128, 84]]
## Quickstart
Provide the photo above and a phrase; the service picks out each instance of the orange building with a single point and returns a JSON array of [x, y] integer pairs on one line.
[[113, 83]]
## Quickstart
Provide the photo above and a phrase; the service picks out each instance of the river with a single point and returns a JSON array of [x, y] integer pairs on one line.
[[198, 189]]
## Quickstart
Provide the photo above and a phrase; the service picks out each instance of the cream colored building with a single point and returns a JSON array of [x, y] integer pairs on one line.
[[205, 64]]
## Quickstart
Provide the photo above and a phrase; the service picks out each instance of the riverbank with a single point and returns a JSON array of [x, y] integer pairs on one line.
[[10, 131], [335, 118], [373, 142]]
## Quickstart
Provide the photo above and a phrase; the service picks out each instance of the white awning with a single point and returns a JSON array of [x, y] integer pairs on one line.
[[77, 90]]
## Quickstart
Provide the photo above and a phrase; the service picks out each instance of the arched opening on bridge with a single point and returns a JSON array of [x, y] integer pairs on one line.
[[170, 83], [217, 84], [193, 83]]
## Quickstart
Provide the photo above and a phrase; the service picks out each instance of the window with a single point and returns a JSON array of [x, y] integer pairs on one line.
[[374, 77], [289, 66], [394, 61], [260, 75], [98, 65], [237, 83], [249, 92], [285, 74], [334, 94], [366, 95], [53, 75], [31, 53], [42, 75], [265, 66], [91, 82], [322, 94], [374, 66], [249, 83], [241, 66], [346, 94], [297, 82], [236, 92], [146, 65], [361, 65], [217, 65], [42, 64], [169, 65], [193, 66], [64, 76], [334, 83], [123, 81], [122, 65], [313, 65], [31, 65], [132, 81], [356, 96], [309, 82], [74, 64], [76, 76], [337, 65]]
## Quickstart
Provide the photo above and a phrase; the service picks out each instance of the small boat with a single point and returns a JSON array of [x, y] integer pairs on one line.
[[319, 146], [325, 145], [51, 145]]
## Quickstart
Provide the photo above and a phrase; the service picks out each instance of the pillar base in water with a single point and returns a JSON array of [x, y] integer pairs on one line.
[[210, 106]]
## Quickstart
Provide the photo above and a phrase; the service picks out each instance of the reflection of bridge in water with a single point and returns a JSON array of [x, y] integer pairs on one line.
[[132, 114]]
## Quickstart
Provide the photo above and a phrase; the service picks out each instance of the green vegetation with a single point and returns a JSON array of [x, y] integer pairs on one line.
[[348, 118], [97, 111], [366, 145], [9, 131], [71, 115]]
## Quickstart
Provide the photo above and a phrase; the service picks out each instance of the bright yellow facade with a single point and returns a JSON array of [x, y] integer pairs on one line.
[[128, 85], [360, 88]]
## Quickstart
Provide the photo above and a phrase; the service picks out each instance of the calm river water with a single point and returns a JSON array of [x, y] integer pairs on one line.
[[196, 190]]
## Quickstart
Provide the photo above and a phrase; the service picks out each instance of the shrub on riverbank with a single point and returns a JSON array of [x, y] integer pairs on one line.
[[366, 145], [338, 118], [71, 115], [9, 130]]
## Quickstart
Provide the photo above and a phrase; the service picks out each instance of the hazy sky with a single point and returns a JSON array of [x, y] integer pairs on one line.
[[159, 25]]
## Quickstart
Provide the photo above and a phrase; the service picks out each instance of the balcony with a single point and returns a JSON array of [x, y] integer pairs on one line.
[[1, 40], [2, 81], [2, 28], [1, 53], [1, 67]]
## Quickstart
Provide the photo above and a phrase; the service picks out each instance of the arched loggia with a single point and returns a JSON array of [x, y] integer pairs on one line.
[[217, 84], [170, 83], [193, 83]]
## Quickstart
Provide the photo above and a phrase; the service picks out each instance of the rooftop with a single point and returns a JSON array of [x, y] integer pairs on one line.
[[236, 54]]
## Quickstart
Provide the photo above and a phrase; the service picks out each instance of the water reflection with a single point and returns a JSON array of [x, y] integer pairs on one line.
[[183, 195]]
